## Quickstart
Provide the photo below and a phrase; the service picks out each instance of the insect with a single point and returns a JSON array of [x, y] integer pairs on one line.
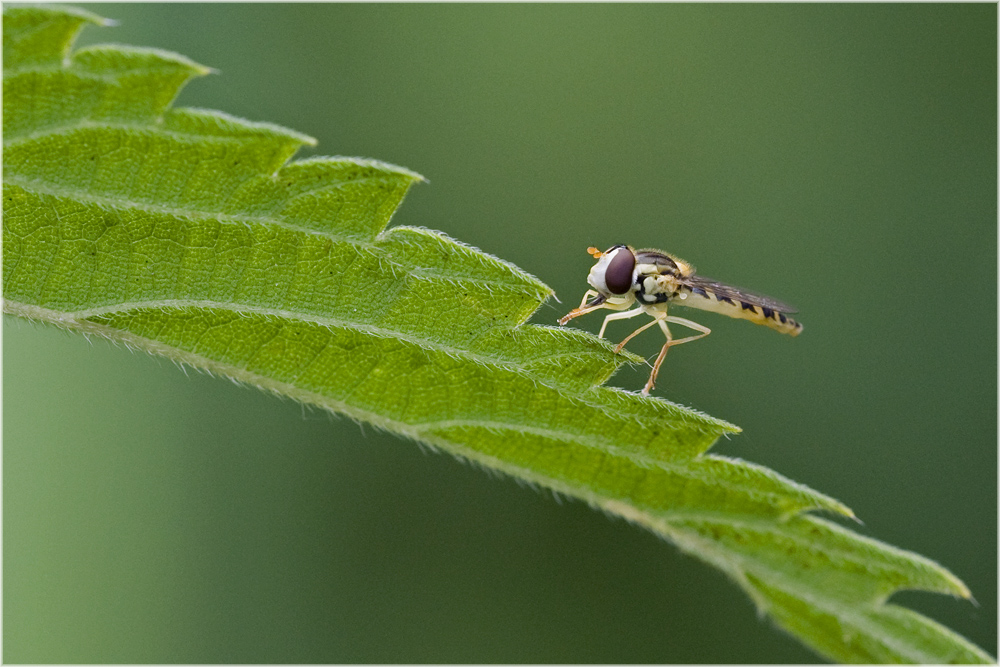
[[655, 280]]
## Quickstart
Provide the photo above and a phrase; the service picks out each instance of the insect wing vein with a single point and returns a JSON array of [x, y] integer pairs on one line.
[[722, 290]]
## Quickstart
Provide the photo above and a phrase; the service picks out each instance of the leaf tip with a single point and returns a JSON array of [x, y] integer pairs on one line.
[[403, 171], [824, 503], [960, 589]]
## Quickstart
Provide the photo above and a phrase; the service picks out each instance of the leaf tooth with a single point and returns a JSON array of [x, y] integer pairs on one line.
[[862, 634], [215, 177], [351, 197], [561, 357], [117, 63], [106, 85], [854, 566], [206, 122], [36, 35], [436, 252]]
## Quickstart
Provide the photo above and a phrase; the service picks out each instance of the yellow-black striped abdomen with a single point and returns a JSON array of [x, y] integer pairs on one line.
[[731, 305]]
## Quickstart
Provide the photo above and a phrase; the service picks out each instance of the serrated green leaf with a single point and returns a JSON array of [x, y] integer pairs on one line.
[[188, 233]]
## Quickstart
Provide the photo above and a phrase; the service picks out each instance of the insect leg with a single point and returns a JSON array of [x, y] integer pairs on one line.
[[685, 323], [656, 318], [586, 297], [670, 343], [618, 316], [582, 310]]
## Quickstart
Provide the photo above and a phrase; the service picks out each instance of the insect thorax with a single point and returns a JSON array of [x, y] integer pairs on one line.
[[655, 287]]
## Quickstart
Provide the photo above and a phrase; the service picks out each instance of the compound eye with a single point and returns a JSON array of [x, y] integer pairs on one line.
[[618, 275]]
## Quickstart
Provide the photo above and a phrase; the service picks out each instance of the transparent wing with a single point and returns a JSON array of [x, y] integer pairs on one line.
[[723, 291]]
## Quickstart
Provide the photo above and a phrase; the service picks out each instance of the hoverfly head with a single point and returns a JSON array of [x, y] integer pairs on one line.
[[614, 273]]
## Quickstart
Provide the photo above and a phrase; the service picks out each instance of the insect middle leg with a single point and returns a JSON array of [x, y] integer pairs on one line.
[[628, 314], [670, 343]]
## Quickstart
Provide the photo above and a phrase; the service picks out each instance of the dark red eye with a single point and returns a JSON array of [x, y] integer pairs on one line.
[[618, 275]]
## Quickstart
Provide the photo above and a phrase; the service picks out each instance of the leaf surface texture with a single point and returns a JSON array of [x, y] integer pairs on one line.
[[191, 234]]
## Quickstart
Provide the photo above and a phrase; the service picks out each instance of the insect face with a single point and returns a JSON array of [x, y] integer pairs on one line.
[[614, 273]]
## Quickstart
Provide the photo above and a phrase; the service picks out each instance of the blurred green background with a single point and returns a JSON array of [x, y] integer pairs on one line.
[[839, 157]]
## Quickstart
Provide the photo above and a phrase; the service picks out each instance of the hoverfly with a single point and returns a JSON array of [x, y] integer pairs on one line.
[[655, 280]]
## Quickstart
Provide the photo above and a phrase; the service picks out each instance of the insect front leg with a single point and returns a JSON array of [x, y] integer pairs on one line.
[[586, 297], [670, 343], [583, 309]]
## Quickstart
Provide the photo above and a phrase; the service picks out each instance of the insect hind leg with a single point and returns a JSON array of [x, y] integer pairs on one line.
[[684, 323], [704, 331]]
